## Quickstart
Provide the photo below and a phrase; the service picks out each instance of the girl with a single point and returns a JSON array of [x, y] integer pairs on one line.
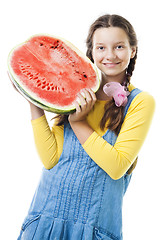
[[89, 155]]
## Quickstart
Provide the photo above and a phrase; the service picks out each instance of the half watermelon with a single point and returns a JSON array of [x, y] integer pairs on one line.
[[50, 71]]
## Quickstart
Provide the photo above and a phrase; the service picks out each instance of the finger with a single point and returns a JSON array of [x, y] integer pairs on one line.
[[87, 95], [77, 106], [82, 99], [92, 94]]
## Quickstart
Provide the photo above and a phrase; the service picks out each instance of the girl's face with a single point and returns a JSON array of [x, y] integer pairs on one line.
[[112, 51]]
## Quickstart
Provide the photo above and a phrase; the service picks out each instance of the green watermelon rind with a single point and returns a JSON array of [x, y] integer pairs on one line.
[[38, 101]]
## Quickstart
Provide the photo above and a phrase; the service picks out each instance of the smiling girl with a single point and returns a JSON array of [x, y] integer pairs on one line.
[[89, 155]]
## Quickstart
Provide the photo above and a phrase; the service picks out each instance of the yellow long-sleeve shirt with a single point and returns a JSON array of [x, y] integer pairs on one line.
[[115, 160]]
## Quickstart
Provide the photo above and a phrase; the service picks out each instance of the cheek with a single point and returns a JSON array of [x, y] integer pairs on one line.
[[125, 56], [97, 57]]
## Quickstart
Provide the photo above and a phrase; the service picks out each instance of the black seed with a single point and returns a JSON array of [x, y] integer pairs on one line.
[[52, 46], [85, 75], [41, 44]]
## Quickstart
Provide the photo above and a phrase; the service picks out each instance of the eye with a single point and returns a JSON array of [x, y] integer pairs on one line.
[[119, 47], [100, 48]]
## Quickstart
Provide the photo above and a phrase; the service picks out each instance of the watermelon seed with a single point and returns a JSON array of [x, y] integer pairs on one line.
[[35, 77], [52, 47], [43, 87], [39, 85], [48, 88], [85, 75], [44, 82], [41, 44], [38, 81]]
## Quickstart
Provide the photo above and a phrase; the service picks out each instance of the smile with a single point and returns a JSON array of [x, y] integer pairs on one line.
[[110, 65]]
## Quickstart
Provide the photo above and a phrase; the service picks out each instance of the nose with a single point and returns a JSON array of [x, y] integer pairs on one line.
[[110, 54]]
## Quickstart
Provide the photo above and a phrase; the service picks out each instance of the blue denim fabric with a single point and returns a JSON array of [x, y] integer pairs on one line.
[[77, 200]]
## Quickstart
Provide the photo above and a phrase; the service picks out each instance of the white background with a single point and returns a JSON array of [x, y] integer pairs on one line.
[[20, 167]]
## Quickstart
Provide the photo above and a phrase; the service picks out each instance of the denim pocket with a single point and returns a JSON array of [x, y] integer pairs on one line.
[[29, 227], [101, 235]]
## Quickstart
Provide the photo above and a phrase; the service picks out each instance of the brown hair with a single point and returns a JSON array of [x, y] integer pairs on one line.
[[113, 114]]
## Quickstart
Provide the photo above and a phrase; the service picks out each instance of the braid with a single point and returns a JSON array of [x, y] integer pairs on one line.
[[130, 68], [113, 113]]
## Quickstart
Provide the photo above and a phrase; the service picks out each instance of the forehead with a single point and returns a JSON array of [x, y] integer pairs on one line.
[[110, 35]]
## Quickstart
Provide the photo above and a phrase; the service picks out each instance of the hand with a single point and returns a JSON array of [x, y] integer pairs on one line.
[[87, 100], [36, 112]]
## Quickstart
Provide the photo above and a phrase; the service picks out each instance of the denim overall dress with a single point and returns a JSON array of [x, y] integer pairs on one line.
[[76, 199]]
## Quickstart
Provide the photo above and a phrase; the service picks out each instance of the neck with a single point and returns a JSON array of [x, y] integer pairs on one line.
[[106, 79], [118, 78]]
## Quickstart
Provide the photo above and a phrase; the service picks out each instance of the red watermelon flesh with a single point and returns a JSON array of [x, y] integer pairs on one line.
[[50, 72]]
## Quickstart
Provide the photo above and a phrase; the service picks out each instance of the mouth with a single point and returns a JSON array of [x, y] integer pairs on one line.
[[111, 65]]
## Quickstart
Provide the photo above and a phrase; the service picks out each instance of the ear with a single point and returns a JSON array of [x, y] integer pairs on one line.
[[133, 51]]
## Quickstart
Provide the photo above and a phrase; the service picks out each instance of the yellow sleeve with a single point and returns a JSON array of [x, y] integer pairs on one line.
[[46, 141], [117, 159]]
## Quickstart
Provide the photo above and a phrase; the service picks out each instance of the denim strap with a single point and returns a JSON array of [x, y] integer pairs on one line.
[[132, 95]]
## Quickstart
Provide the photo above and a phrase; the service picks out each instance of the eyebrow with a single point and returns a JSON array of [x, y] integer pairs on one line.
[[120, 42], [99, 43]]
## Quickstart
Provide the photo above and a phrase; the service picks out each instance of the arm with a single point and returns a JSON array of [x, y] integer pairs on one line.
[[77, 120], [116, 160], [36, 112], [45, 139]]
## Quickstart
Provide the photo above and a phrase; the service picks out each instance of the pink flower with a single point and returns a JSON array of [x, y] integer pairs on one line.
[[118, 92]]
